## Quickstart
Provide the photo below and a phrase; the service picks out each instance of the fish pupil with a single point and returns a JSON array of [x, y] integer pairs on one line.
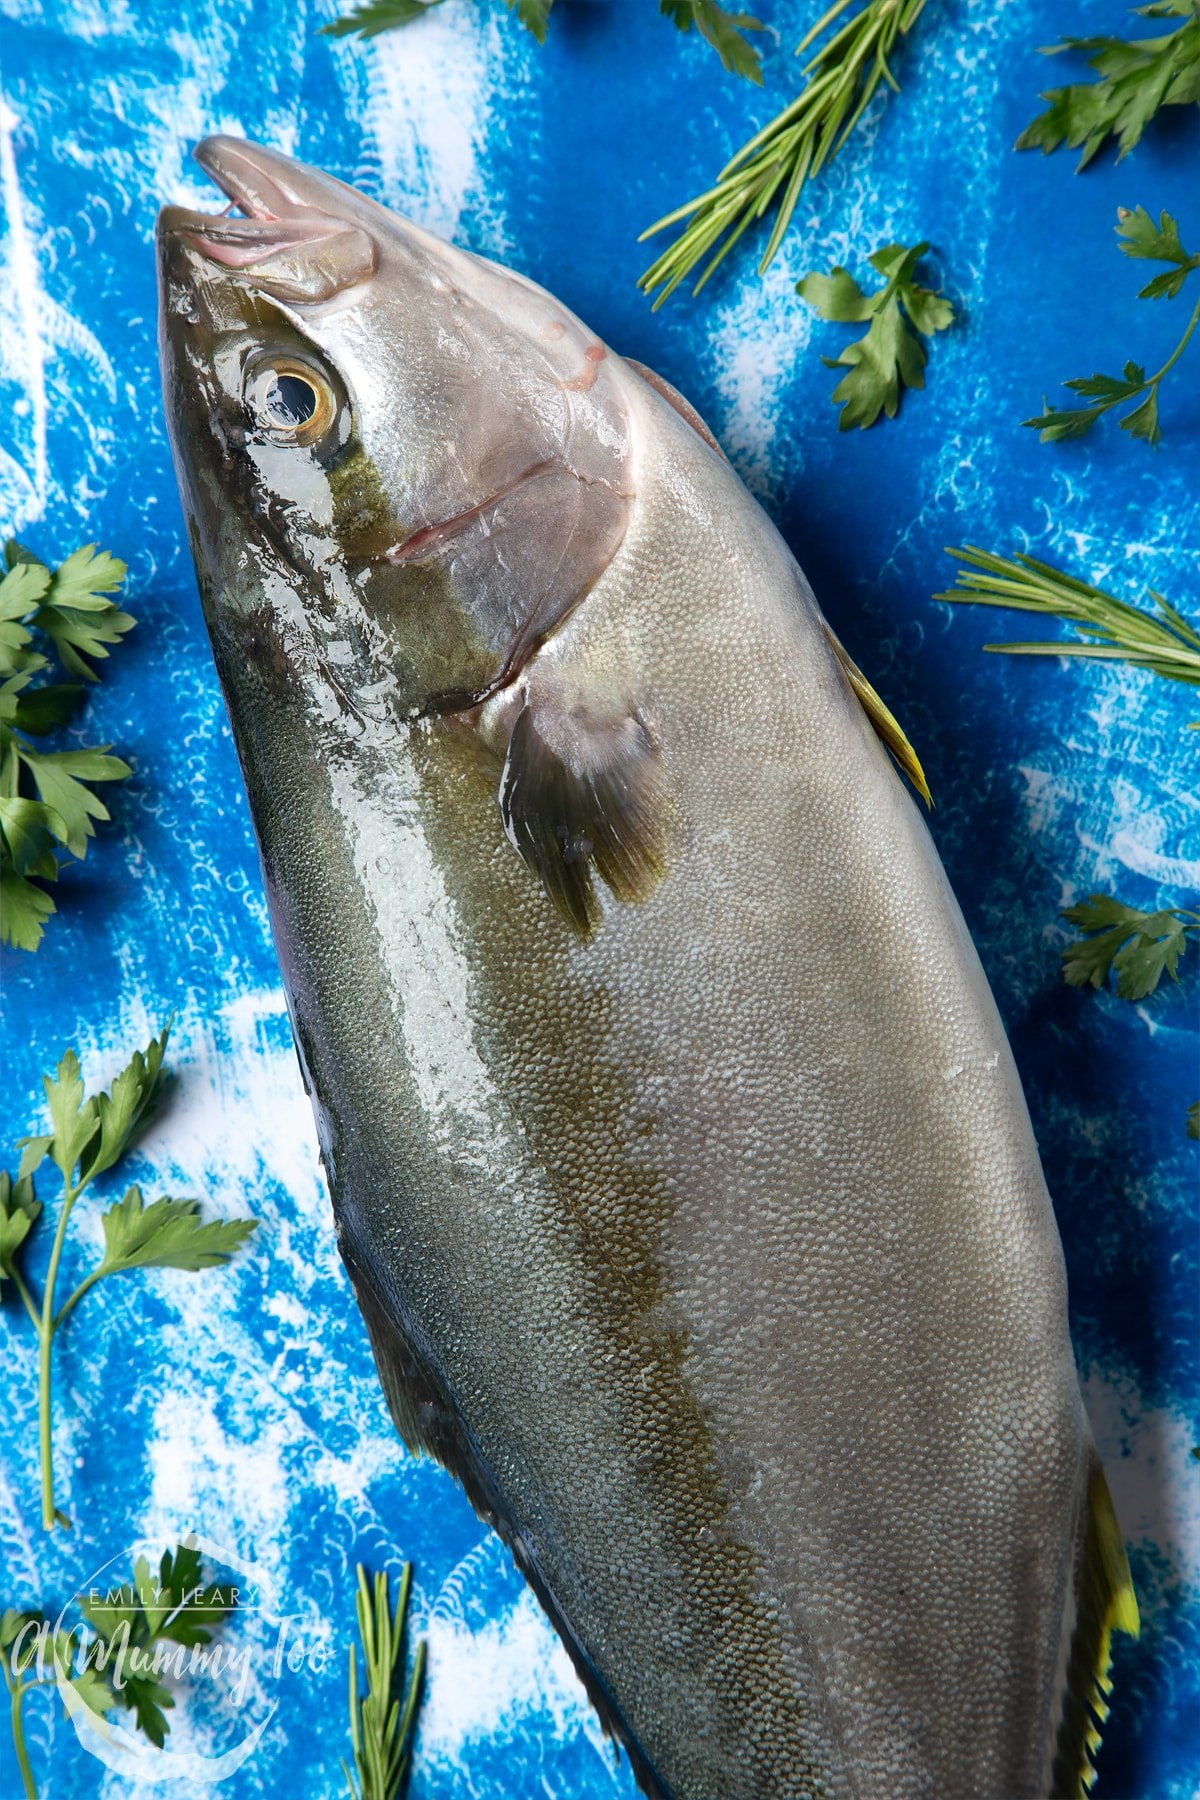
[[290, 400]]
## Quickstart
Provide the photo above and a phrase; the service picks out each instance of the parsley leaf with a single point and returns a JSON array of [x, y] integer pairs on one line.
[[374, 16], [533, 14], [167, 1235], [117, 1658], [19, 1211], [47, 803], [73, 1119], [76, 613], [1137, 77], [1138, 947], [723, 30], [89, 1134], [1152, 243], [891, 356], [21, 592], [127, 1106], [172, 1604]]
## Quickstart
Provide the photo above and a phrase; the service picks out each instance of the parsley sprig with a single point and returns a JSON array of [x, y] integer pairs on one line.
[[891, 356], [1148, 242], [1138, 76], [1139, 948], [723, 30], [375, 16], [48, 805], [88, 1136], [719, 27], [842, 78], [25, 1672], [382, 1720], [116, 1659], [1112, 630]]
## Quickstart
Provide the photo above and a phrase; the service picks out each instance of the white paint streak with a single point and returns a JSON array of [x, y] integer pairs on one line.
[[1147, 1454], [487, 1680], [426, 113], [22, 350]]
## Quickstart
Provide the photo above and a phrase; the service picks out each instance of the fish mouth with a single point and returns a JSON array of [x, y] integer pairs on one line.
[[285, 222]]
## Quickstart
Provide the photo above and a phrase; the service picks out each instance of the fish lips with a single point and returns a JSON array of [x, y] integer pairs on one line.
[[285, 242]]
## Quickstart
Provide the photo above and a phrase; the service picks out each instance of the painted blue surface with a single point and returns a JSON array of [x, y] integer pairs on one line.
[[245, 1404]]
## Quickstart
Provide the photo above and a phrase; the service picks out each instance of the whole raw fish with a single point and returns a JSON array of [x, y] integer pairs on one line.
[[677, 1151]]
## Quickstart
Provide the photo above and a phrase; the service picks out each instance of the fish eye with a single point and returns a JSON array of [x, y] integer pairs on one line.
[[289, 400]]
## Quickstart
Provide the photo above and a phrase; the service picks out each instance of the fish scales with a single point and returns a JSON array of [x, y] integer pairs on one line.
[[695, 1211]]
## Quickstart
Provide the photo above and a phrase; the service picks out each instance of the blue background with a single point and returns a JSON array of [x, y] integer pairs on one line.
[[244, 1404]]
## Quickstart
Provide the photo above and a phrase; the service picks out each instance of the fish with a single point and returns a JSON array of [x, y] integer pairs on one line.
[[677, 1153]]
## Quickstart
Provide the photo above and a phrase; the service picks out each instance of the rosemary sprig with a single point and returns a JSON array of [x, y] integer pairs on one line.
[[382, 1720], [842, 79], [1112, 630]]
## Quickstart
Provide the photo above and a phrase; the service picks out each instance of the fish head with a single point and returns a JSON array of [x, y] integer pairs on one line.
[[402, 465]]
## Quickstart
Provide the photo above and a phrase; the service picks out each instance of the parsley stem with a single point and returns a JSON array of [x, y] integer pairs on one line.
[[17, 1689], [50, 1514], [31, 1306], [1180, 347], [68, 1306]]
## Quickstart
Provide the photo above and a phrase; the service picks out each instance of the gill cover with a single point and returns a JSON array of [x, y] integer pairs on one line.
[[484, 478]]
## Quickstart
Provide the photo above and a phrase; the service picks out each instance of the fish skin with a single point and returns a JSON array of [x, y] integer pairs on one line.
[[711, 1247]]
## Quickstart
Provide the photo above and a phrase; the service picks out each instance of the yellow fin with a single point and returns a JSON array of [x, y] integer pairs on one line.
[[1106, 1603], [887, 726]]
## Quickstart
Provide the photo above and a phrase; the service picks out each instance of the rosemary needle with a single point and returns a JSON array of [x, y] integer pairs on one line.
[[772, 168]]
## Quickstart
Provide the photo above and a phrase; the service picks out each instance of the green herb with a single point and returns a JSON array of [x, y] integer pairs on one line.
[[382, 1720], [842, 79], [1137, 77], [723, 30], [1151, 243], [115, 1663], [172, 1605], [1112, 629], [1138, 947], [374, 16], [891, 356], [47, 803], [21, 1634], [88, 1137]]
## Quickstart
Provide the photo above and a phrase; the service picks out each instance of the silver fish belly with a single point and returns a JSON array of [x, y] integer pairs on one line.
[[676, 1148]]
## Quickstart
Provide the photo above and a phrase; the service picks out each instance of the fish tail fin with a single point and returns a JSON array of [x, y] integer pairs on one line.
[[1104, 1602], [886, 725]]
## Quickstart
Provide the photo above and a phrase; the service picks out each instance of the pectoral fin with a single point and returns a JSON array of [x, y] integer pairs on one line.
[[584, 793], [887, 726]]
